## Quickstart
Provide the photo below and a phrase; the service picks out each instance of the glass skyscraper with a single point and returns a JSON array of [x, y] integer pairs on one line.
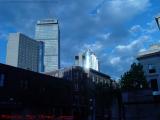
[[48, 32]]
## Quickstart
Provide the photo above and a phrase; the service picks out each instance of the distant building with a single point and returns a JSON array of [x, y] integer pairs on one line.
[[150, 59], [139, 105], [48, 32], [87, 60], [24, 52], [78, 74]]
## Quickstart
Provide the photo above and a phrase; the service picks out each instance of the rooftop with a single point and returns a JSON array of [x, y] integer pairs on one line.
[[80, 68], [47, 21], [153, 50]]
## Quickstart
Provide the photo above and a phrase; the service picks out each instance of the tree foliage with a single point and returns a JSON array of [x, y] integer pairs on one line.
[[134, 78]]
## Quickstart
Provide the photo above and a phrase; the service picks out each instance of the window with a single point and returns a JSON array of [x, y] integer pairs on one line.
[[76, 57], [93, 78], [76, 99], [154, 84], [24, 84], [152, 68], [1, 80], [76, 87], [83, 57], [97, 80]]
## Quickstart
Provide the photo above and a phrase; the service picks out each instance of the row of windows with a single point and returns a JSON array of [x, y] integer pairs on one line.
[[98, 79], [48, 36], [51, 68], [51, 50], [77, 75], [27, 41], [80, 75], [27, 61], [46, 33], [51, 60], [47, 27]]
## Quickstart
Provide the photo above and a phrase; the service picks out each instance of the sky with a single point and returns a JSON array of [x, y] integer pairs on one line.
[[116, 30]]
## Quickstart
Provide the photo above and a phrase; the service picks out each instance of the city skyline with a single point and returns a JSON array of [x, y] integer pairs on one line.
[[116, 37]]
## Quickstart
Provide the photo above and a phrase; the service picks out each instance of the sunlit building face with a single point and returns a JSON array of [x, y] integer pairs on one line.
[[87, 60]]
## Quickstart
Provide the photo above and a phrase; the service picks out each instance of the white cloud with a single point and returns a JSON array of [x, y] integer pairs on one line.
[[105, 36], [115, 60], [142, 50], [97, 46], [151, 27], [135, 29], [134, 44], [133, 6], [123, 55], [124, 9]]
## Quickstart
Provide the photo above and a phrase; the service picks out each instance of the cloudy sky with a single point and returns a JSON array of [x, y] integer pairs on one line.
[[116, 30]]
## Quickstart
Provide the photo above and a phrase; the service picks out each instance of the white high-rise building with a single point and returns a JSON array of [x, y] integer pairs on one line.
[[24, 52], [87, 59]]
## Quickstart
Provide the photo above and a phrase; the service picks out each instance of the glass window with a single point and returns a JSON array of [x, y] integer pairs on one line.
[[154, 84], [76, 57], [152, 68], [76, 86]]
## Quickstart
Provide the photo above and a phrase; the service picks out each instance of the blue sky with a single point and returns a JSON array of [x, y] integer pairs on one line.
[[116, 30]]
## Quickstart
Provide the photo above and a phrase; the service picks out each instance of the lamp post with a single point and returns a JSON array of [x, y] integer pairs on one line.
[[158, 21]]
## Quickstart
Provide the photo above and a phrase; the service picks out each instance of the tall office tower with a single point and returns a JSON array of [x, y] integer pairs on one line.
[[24, 52], [87, 60], [48, 32]]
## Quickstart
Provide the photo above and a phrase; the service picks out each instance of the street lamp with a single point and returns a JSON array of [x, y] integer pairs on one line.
[[158, 21]]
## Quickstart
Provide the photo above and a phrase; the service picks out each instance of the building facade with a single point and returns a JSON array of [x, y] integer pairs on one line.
[[151, 66], [80, 73], [86, 90], [87, 59], [30, 94], [24, 52], [48, 32]]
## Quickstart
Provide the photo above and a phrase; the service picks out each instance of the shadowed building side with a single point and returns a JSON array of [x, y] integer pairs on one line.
[[27, 92]]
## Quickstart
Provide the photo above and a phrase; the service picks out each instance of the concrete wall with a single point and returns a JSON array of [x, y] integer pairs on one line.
[[12, 50]]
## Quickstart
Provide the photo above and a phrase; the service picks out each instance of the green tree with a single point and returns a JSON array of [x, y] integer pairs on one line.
[[134, 78]]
